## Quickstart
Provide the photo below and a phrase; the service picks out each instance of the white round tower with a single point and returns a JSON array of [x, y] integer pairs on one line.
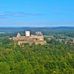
[[27, 33]]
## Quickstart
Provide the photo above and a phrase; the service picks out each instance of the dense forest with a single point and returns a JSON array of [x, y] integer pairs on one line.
[[52, 58]]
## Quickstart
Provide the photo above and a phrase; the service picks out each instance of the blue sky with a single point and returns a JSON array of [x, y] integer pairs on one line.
[[35, 13]]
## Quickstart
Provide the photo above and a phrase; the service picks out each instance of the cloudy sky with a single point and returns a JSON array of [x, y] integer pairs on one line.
[[36, 13]]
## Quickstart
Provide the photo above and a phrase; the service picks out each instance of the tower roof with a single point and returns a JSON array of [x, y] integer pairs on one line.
[[18, 34]]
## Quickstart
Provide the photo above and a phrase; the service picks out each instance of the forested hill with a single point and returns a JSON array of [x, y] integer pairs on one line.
[[53, 58]]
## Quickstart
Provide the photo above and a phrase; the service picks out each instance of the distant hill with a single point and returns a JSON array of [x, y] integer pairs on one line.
[[42, 29]]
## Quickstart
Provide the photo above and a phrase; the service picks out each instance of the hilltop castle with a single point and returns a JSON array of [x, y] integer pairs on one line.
[[29, 38]]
